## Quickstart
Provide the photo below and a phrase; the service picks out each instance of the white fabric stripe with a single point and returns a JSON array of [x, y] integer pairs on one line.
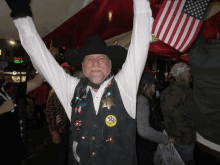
[[3, 96], [9, 98], [178, 30], [168, 20], [80, 108], [174, 22], [162, 17], [191, 35], [185, 32], [207, 143], [74, 151]]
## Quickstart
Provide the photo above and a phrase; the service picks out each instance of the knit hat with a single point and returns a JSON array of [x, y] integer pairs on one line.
[[148, 78], [179, 68]]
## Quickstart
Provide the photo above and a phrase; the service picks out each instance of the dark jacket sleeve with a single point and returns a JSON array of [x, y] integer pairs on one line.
[[21, 91]]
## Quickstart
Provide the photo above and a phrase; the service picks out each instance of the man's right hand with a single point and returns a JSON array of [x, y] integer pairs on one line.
[[7, 106], [56, 137]]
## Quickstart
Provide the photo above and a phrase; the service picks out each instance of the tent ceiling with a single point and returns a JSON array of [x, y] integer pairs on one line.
[[69, 22], [48, 15]]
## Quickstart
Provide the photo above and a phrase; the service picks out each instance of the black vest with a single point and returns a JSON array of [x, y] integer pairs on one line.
[[99, 143]]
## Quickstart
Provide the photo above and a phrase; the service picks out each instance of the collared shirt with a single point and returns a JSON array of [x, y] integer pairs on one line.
[[64, 85]]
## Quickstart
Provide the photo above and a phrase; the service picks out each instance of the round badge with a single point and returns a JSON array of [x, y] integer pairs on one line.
[[111, 120]]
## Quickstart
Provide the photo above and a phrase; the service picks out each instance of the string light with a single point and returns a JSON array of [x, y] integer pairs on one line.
[[109, 139], [12, 42], [108, 94], [110, 15]]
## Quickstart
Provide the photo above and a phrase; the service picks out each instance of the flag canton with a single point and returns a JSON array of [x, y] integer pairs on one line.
[[196, 8]]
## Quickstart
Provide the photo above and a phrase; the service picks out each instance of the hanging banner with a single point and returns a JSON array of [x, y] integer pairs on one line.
[[167, 155]]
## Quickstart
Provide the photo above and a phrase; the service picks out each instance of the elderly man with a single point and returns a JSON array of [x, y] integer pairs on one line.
[[176, 101], [103, 106]]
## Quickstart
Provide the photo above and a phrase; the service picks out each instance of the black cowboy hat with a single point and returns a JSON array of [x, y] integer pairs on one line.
[[96, 45]]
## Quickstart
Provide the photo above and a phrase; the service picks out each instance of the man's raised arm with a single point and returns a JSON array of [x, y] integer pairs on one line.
[[42, 60], [129, 76]]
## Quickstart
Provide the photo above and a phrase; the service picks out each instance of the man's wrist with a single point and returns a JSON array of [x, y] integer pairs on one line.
[[141, 6]]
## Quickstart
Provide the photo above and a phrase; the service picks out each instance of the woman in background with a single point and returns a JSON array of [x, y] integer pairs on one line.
[[146, 135]]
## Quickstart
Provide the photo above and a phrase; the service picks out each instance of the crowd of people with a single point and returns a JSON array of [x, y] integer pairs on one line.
[[97, 116]]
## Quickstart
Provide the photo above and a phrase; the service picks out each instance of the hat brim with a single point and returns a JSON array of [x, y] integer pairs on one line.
[[117, 55]]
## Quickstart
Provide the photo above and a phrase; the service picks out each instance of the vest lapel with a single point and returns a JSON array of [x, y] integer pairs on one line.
[[90, 104]]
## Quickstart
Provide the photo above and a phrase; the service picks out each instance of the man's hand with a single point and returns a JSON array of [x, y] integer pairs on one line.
[[19, 8], [56, 137], [7, 106]]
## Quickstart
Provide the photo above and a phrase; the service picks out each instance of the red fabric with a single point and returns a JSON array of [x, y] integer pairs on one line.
[[40, 95], [93, 19], [149, 71], [160, 50], [182, 59], [211, 27], [66, 65]]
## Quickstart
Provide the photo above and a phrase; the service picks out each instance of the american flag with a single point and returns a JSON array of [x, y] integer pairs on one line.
[[178, 22]]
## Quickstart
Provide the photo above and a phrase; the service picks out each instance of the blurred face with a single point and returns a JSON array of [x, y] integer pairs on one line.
[[96, 67]]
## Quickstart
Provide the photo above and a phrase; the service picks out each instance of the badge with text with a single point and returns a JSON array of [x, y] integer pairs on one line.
[[110, 120]]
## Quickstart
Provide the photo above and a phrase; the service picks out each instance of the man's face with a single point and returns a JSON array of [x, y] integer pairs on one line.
[[96, 67]]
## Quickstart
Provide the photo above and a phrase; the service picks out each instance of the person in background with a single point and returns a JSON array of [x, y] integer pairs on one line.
[[204, 61], [58, 123], [12, 149], [146, 135], [40, 103], [175, 101]]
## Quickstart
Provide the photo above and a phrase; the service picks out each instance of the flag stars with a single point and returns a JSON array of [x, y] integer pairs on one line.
[[21, 128], [21, 121]]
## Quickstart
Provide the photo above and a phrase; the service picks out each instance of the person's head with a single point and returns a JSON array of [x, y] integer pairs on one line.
[[181, 73], [96, 67], [98, 60], [66, 68], [147, 87]]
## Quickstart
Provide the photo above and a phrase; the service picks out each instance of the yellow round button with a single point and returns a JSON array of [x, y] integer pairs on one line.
[[111, 120]]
